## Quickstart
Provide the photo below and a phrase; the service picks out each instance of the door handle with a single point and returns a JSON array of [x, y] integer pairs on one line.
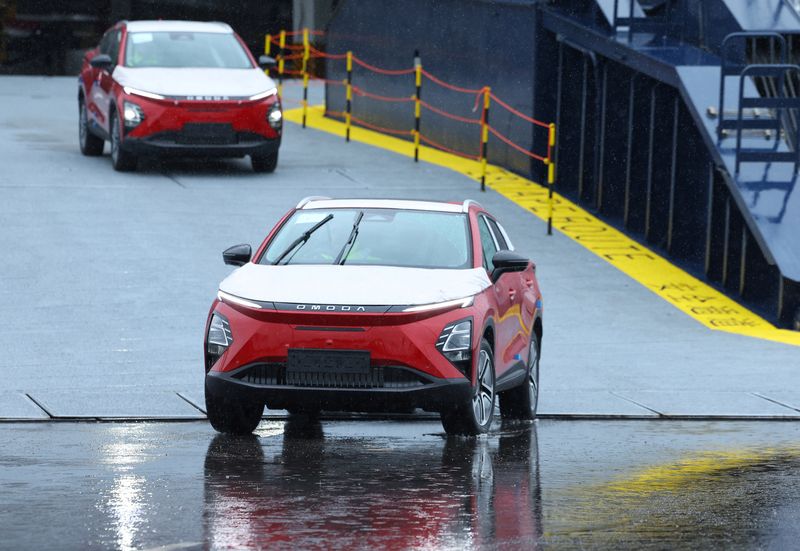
[[528, 282], [512, 294]]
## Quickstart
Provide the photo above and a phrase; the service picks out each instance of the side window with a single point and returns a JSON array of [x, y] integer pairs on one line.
[[105, 43], [113, 53], [498, 235], [487, 243]]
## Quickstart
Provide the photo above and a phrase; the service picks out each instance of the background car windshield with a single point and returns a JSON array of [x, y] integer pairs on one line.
[[185, 49], [410, 238]]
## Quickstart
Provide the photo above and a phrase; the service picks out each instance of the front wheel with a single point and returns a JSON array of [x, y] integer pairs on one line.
[[233, 416], [521, 402], [475, 416], [264, 163], [121, 160]]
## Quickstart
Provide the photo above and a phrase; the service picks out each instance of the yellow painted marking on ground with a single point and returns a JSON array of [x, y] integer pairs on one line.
[[691, 469], [687, 293]]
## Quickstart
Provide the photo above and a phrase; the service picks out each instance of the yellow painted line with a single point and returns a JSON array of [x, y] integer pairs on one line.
[[685, 292], [690, 470]]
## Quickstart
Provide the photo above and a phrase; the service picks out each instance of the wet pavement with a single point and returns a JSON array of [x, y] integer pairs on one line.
[[400, 484]]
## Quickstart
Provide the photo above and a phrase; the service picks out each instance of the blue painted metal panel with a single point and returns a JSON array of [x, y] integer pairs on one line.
[[759, 15]]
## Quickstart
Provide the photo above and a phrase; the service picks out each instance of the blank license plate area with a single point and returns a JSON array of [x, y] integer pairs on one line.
[[327, 361]]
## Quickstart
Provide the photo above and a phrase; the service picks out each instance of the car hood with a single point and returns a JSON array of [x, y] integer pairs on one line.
[[353, 285], [182, 82]]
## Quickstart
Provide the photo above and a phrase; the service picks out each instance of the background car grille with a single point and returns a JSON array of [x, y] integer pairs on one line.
[[274, 374]]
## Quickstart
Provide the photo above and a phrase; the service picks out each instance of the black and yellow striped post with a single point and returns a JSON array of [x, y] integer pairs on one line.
[[349, 97], [281, 46], [306, 55], [487, 92], [551, 176], [417, 99]]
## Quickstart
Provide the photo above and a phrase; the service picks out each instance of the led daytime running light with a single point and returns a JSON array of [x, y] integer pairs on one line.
[[264, 94], [135, 92], [460, 302], [232, 299]]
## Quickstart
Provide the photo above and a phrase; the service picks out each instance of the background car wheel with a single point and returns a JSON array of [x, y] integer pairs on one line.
[[475, 417], [121, 160], [521, 402], [91, 145], [264, 163], [233, 417]]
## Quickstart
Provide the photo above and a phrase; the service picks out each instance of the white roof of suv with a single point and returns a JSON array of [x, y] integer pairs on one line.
[[178, 26], [311, 203]]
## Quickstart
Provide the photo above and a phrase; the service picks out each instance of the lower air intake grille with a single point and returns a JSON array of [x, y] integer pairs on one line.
[[378, 377]]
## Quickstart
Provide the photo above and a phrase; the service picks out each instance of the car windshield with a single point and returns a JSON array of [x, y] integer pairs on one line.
[[385, 237], [185, 49]]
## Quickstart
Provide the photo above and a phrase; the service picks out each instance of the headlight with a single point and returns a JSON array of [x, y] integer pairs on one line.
[[275, 117], [264, 94], [218, 340], [455, 343], [132, 114]]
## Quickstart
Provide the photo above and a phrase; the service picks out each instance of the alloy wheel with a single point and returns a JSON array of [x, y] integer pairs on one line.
[[533, 374], [483, 400]]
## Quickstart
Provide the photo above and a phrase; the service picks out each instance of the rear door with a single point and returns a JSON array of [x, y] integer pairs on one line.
[[101, 93]]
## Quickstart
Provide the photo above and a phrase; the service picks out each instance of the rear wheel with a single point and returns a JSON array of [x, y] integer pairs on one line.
[[233, 416], [91, 145], [121, 160], [475, 416], [521, 402], [264, 163]]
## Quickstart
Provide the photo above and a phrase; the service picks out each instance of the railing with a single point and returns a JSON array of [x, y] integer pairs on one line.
[[644, 24], [483, 99]]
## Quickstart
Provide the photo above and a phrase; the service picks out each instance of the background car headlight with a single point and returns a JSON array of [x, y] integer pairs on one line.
[[218, 340], [275, 116], [455, 343], [132, 114]]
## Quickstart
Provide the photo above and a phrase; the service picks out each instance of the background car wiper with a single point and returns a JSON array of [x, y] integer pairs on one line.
[[340, 258], [302, 239]]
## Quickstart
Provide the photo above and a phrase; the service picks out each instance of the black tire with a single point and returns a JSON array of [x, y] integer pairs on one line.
[[90, 145], [475, 415], [121, 160], [310, 412], [521, 402], [233, 416], [264, 163]]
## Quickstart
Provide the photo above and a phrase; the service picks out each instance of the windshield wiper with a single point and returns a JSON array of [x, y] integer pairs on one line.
[[302, 239], [342, 256]]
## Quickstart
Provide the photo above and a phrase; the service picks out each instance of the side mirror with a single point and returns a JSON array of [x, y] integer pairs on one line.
[[238, 255], [508, 261], [101, 61], [267, 62]]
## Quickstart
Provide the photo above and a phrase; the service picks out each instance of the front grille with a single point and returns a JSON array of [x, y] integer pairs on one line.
[[387, 377]]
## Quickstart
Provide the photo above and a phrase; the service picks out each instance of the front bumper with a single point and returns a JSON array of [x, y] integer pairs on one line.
[[166, 144], [430, 393]]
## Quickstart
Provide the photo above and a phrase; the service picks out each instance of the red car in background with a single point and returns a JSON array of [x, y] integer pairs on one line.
[[178, 88], [376, 305]]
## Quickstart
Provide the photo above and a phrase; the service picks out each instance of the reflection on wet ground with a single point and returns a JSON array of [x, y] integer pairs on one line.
[[400, 484]]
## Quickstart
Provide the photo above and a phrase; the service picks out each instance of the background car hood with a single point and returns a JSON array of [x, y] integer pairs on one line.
[[353, 285], [195, 81]]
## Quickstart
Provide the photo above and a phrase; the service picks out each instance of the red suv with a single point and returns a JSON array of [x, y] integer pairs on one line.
[[376, 305], [177, 88]]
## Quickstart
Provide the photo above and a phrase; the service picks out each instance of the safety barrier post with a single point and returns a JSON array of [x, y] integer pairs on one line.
[[267, 44], [417, 99], [306, 55], [349, 94], [551, 175], [281, 46], [487, 92]]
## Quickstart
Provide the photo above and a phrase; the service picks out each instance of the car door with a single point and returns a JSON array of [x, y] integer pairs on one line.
[[504, 295], [101, 93], [520, 287]]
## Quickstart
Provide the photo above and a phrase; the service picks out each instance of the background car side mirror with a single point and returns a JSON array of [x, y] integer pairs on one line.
[[508, 261], [101, 61], [238, 255], [267, 62]]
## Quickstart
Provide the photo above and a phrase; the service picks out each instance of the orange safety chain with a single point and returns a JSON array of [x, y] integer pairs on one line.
[[305, 51]]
